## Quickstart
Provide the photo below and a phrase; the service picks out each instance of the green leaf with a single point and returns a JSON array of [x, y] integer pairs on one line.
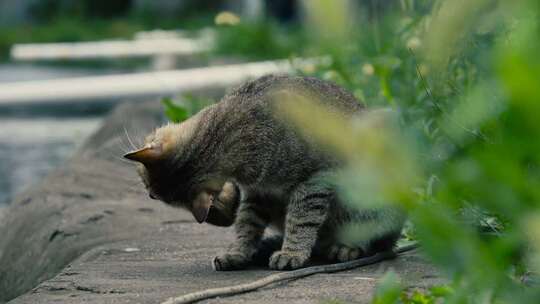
[[174, 112], [388, 290], [441, 291]]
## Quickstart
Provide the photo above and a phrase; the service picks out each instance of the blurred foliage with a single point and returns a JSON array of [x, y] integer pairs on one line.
[[432, 295], [461, 152], [390, 290], [175, 112], [258, 39], [178, 110], [48, 9], [462, 78], [148, 12]]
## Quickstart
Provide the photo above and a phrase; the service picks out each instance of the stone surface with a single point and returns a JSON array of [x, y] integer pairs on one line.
[[90, 201], [89, 234], [174, 259]]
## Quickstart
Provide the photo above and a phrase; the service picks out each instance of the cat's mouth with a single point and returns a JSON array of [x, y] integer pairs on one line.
[[219, 217], [221, 213], [212, 208]]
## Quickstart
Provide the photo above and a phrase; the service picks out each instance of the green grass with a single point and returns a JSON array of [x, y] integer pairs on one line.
[[259, 40]]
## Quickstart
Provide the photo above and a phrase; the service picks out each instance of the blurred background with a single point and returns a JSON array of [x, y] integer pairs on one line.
[[42, 40], [37, 134], [461, 76]]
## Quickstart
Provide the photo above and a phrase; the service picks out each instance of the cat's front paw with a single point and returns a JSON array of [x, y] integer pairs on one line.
[[288, 260], [230, 261]]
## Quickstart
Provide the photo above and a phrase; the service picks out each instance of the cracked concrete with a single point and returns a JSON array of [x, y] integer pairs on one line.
[[175, 259]]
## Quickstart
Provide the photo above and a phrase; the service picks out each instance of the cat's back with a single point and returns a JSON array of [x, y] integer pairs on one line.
[[261, 92], [243, 134]]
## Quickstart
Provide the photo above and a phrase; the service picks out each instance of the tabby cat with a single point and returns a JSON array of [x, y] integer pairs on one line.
[[238, 162]]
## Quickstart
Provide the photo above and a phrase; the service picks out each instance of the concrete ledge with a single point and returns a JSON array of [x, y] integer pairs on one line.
[[90, 201]]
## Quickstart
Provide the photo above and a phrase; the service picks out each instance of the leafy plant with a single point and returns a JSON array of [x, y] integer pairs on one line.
[[460, 151], [390, 291], [187, 106], [257, 40], [175, 112], [461, 77]]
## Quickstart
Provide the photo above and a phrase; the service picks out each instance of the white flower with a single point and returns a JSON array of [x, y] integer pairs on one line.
[[368, 69], [226, 18], [414, 43]]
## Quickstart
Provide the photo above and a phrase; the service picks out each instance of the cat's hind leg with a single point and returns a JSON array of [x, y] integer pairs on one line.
[[366, 236], [306, 213], [364, 232], [343, 253]]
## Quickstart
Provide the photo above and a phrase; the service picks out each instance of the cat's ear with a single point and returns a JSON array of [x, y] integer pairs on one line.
[[201, 206], [146, 155]]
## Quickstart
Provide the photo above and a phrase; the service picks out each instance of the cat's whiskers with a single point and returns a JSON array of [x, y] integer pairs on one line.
[[139, 137], [115, 146], [123, 145], [129, 139], [113, 152]]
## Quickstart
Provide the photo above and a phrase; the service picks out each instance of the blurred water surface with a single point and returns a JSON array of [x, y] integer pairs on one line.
[[31, 147], [34, 143]]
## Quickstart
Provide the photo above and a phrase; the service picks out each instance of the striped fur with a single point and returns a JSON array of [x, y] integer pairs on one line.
[[260, 173]]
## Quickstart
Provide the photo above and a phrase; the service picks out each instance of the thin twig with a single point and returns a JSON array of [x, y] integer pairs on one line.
[[289, 275], [476, 134], [425, 83]]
